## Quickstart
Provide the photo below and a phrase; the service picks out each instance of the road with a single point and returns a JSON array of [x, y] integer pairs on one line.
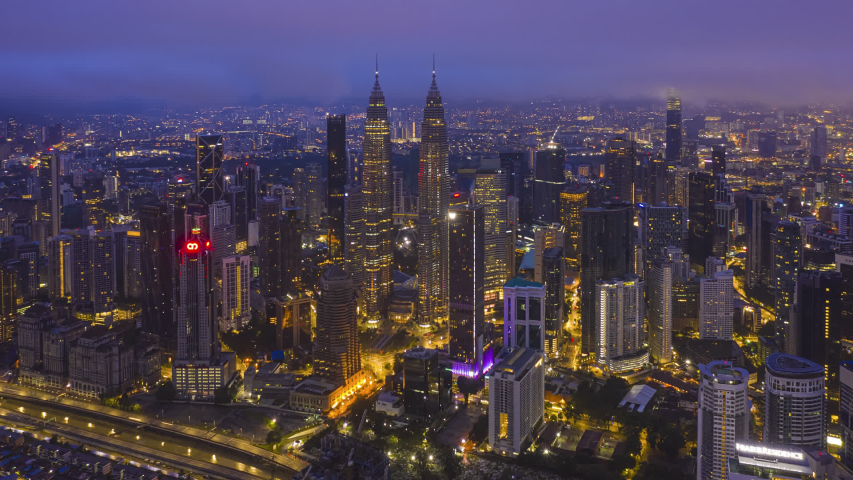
[[138, 420]]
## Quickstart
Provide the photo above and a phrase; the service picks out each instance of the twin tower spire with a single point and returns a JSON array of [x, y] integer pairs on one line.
[[433, 86]]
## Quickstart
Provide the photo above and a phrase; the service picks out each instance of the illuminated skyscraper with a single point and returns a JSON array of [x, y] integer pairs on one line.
[[236, 309], [572, 201], [660, 309], [795, 410], [621, 169], [716, 305], [314, 201], [466, 276], [377, 187], [8, 301], [787, 252], [673, 128], [723, 417], [336, 148], [354, 234], [549, 182], [489, 187], [752, 221], [49, 198], [661, 226], [718, 160], [59, 276], [433, 182], [621, 309], [337, 355], [555, 298], [209, 172]]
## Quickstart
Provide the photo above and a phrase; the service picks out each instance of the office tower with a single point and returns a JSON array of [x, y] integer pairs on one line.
[[427, 385], [752, 222], [787, 249], [355, 167], [548, 182], [816, 324], [621, 313], [238, 204], [28, 255], [131, 265], [716, 305], [12, 129], [467, 288], [314, 200], [179, 189], [546, 237], [223, 242], [718, 160], [555, 298], [713, 265], [606, 240], [818, 143], [572, 201], [354, 240], [236, 276], [515, 167], [660, 282], [673, 128], [723, 417], [249, 177], [399, 200], [269, 238], [511, 235], [489, 188], [337, 354], [846, 411], [621, 169], [767, 144], [49, 197], [702, 219], [103, 276], [433, 193], [58, 273], [219, 213], [208, 171], [516, 399], [661, 226], [155, 225], [657, 182], [336, 167], [8, 301], [523, 315], [794, 402], [376, 192]]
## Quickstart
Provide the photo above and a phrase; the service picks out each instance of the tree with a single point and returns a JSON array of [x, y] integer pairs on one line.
[[221, 395], [468, 386], [166, 392], [274, 436], [480, 430]]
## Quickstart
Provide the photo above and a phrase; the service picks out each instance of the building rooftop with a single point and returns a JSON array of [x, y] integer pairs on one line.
[[420, 353], [520, 282], [789, 365], [514, 361], [638, 397]]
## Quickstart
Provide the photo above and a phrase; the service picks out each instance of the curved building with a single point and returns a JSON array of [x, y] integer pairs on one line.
[[723, 417], [795, 401]]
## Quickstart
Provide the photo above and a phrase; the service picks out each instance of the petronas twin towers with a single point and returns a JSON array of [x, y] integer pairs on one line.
[[433, 199]]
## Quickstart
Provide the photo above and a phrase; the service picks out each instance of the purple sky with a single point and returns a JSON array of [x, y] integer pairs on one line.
[[189, 51]]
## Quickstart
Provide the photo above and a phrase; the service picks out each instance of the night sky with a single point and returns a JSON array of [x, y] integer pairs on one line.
[[215, 52]]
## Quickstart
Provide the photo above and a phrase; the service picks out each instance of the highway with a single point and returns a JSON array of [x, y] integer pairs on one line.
[[120, 420]]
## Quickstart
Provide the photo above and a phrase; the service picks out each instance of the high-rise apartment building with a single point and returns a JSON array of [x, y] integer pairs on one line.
[[337, 355], [489, 188], [555, 298], [787, 250], [621, 169], [724, 407], [376, 195], [336, 167], [673, 128], [548, 182], [572, 201], [794, 402], [621, 314], [209, 168], [716, 305], [467, 288], [524, 314], [660, 282], [606, 238], [433, 200], [516, 399], [236, 308]]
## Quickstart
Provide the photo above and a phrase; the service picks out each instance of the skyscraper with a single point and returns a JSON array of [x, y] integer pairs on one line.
[[269, 237], [723, 417], [236, 309], [354, 240], [49, 197], [314, 201], [209, 172], [657, 182], [818, 142], [572, 201], [621, 169], [249, 177], [606, 238], [376, 195], [752, 222], [155, 226], [545, 237], [8, 301], [621, 313], [337, 355], [767, 144], [516, 399], [716, 305], [489, 188], [702, 219], [467, 272], [523, 314], [336, 167], [58, 273], [673, 128], [548, 182], [433, 193], [660, 282], [816, 322], [661, 226], [794, 402], [787, 249], [555, 298]]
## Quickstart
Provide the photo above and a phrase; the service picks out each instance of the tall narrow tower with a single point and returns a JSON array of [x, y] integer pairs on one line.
[[673, 128], [432, 211], [336, 147], [376, 194], [209, 172]]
